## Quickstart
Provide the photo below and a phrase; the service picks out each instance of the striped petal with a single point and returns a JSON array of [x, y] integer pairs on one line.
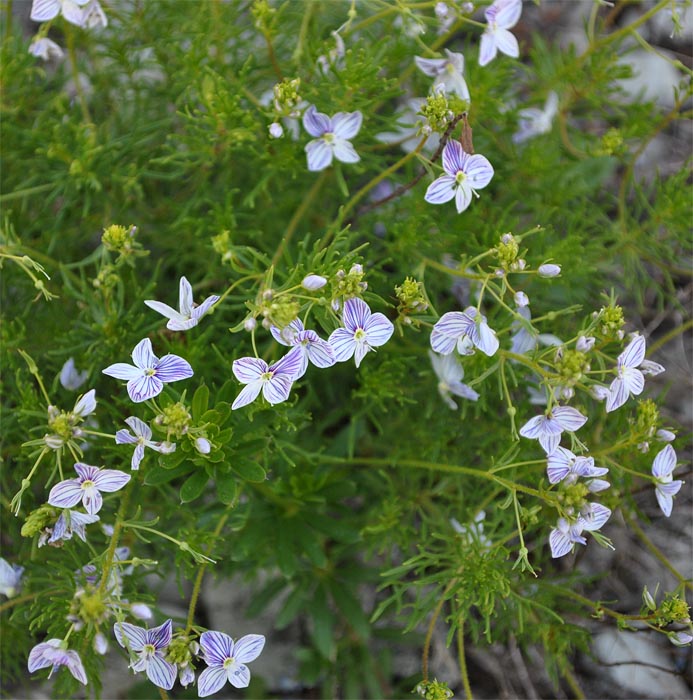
[[506, 43], [143, 355], [44, 10], [560, 544], [487, 51], [129, 636], [345, 125], [344, 151], [139, 427], [66, 494], [634, 353], [463, 197], [664, 463], [248, 394], [356, 314], [343, 344], [249, 369], [239, 676], [318, 155], [164, 309], [110, 480], [441, 190], [172, 368], [320, 353], [277, 389], [185, 297], [568, 418], [315, 123], [122, 371], [479, 171], [91, 500], [379, 330], [454, 158], [144, 388], [617, 396], [211, 680], [248, 648], [217, 647], [161, 673]]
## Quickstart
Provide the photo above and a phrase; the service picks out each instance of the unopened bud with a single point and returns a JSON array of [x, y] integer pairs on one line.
[[313, 282], [275, 130], [521, 299], [203, 445], [250, 324], [549, 270], [141, 611], [584, 343]]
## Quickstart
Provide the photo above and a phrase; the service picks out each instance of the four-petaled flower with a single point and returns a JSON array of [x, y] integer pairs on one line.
[[46, 48], [662, 469], [448, 73], [273, 380], [311, 345], [10, 578], [534, 121], [501, 16], [69, 523], [449, 372], [54, 653], [563, 464], [147, 378], [70, 377], [566, 534], [331, 137], [463, 330], [189, 314], [363, 331], [142, 438], [629, 379], [547, 429], [226, 661], [464, 175], [148, 647], [72, 10], [87, 487]]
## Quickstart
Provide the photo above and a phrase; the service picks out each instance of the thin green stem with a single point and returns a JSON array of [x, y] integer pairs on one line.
[[462, 659], [431, 627], [573, 683], [26, 192], [72, 53]]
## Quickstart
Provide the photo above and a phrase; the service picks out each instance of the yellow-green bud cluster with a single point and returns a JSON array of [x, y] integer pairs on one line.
[[175, 418], [279, 311], [106, 279], [262, 13], [89, 606], [610, 321], [63, 424], [119, 239], [411, 298], [349, 284], [434, 690], [573, 497], [647, 421], [179, 650], [222, 246], [41, 518], [611, 144], [572, 366], [672, 609], [437, 113], [507, 251], [286, 96]]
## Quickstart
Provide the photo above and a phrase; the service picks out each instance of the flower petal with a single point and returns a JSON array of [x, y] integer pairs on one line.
[[143, 356], [360, 352], [664, 463], [463, 197], [144, 388], [122, 371], [139, 427], [487, 52], [129, 636], [248, 648], [487, 341], [617, 396], [44, 10], [185, 297], [633, 380], [430, 66], [479, 171], [199, 311], [345, 125], [506, 42], [463, 391], [550, 443], [137, 457], [86, 404], [161, 673], [110, 480], [379, 329], [211, 680], [594, 517], [634, 353], [665, 501], [172, 368], [315, 123], [441, 190], [239, 676], [91, 500], [66, 494], [248, 394], [356, 314], [278, 388], [568, 418], [289, 365], [318, 155], [560, 544], [508, 13], [249, 369], [217, 647], [320, 353], [163, 309], [343, 344], [454, 158], [344, 151]]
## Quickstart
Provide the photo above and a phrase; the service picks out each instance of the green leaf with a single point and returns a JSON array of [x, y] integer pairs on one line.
[[226, 487], [309, 542], [200, 402], [193, 486], [291, 608], [249, 471], [323, 624], [156, 477], [350, 607]]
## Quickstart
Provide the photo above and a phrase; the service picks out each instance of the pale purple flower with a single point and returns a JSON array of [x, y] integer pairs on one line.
[[566, 534], [45, 48], [70, 523], [681, 638], [87, 487], [501, 16], [662, 470], [71, 10], [629, 379], [276, 131], [599, 392], [548, 428], [665, 435], [226, 661], [313, 282], [463, 330], [312, 347], [94, 16], [549, 270], [186, 675], [147, 648], [533, 121], [142, 438], [54, 653], [363, 331], [331, 137], [651, 369], [189, 314], [521, 299], [273, 380], [10, 578], [100, 644], [464, 175], [585, 343], [85, 405], [448, 73], [563, 464], [70, 377], [147, 378], [141, 611], [449, 372]]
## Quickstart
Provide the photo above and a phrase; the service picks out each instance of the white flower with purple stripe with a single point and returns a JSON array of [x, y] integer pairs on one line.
[[464, 175], [10, 578], [662, 470], [548, 428], [142, 438], [274, 381], [147, 650], [331, 137], [147, 378], [87, 487], [71, 10], [630, 381], [450, 373], [189, 314], [70, 377], [501, 16], [226, 661], [448, 73], [54, 653], [567, 534], [313, 348], [45, 48], [534, 121], [362, 332], [463, 330], [562, 464], [70, 523]]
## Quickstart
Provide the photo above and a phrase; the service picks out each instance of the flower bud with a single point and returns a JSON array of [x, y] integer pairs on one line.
[[313, 282], [599, 392], [549, 270], [680, 639], [141, 611], [521, 299], [250, 324], [665, 435], [100, 644], [186, 676], [203, 446], [275, 130], [584, 343]]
